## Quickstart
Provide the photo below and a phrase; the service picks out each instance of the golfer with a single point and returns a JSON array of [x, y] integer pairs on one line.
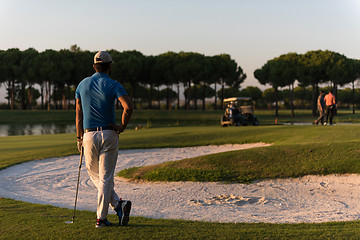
[[98, 134], [330, 106]]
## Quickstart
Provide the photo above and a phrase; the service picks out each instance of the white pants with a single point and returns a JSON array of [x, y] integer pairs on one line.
[[101, 151]]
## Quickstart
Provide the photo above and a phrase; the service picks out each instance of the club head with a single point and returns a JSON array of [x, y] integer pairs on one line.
[[67, 222]]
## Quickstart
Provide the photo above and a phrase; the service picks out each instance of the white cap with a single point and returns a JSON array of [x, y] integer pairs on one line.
[[102, 57]]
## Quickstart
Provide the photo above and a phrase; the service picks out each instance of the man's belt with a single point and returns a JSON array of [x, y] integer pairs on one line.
[[99, 129]]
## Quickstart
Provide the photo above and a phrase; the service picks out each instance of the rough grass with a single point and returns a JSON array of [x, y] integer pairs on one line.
[[21, 220]]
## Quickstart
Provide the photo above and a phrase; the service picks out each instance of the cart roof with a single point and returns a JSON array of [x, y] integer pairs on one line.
[[233, 99]]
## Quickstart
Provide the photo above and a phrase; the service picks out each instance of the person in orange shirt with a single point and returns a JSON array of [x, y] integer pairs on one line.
[[330, 106]]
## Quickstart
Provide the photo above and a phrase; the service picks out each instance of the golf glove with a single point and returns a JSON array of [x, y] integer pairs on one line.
[[79, 144]]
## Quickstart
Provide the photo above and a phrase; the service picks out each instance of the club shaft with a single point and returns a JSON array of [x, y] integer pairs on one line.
[[78, 180]]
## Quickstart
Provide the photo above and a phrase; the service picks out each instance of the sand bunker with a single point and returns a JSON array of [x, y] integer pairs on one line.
[[230, 200], [307, 199]]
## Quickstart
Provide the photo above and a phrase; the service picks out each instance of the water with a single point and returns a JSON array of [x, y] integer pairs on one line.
[[41, 129], [35, 129]]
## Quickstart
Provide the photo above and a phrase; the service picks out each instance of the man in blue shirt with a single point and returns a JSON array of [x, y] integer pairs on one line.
[[98, 134]]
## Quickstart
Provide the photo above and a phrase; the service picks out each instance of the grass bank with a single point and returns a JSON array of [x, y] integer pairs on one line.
[[297, 151], [245, 166]]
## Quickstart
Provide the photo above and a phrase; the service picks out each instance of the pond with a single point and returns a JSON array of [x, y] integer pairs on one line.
[[35, 129], [40, 129]]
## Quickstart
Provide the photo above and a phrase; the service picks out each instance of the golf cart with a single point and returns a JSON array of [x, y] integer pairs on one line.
[[239, 111]]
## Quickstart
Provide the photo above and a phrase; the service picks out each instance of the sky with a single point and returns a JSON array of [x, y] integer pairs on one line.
[[250, 31]]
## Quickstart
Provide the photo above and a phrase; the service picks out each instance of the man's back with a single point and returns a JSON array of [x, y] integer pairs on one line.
[[329, 99], [98, 94]]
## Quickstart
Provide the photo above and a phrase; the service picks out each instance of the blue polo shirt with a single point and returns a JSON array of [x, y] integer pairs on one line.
[[98, 94]]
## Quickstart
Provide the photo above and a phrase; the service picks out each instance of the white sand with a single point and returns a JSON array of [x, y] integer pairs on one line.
[[307, 199]]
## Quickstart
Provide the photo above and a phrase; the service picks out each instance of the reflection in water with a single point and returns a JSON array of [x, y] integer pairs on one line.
[[35, 129]]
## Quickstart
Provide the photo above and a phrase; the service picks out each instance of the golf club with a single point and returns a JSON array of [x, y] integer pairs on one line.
[[77, 186]]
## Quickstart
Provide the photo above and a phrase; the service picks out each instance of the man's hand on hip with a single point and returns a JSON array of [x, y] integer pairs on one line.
[[118, 128]]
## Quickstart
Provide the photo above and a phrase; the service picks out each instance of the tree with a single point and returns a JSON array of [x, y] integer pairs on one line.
[[201, 92], [185, 72], [303, 96], [312, 71], [254, 92], [164, 65], [229, 92], [218, 66], [128, 69], [150, 79], [54, 71], [232, 75], [205, 78], [195, 73], [35, 94], [2, 69], [270, 73], [27, 76], [341, 71], [208, 77], [270, 96], [286, 72], [345, 96], [169, 95], [11, 71], [75, 48], [82, 68]]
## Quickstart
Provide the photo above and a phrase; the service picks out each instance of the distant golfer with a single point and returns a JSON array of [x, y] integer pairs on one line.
[[98, 134], [330, 106], [321, 106]]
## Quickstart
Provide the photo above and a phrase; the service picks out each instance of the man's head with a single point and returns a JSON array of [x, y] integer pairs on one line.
[[102, 62], [322, 92]]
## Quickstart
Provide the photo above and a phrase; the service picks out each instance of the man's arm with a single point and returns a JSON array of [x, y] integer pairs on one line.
[[128, 109], [79, 119]]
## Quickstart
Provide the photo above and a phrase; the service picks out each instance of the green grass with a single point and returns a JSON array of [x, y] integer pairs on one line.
[[18, 149], [248, 165], [297, 150], [36, 117], [20, 220]]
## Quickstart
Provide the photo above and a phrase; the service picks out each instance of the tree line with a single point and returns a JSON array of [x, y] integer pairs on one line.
[[147, 79], [310, 69], [150, 80]]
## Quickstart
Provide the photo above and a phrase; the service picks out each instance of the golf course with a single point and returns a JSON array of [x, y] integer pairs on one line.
[[297, 149]]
